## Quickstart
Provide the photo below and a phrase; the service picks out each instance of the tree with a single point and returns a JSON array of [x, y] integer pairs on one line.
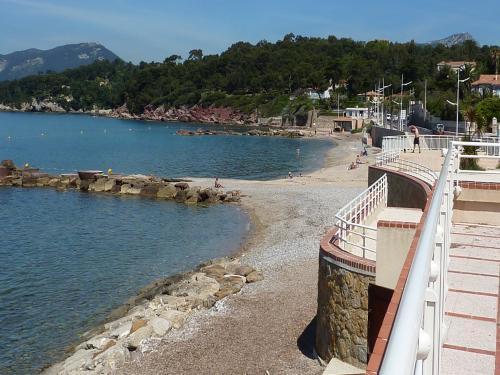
[[489, 108], [195, 55]]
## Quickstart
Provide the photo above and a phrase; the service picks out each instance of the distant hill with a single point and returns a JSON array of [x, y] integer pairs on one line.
[[20, 64], [452, 40]]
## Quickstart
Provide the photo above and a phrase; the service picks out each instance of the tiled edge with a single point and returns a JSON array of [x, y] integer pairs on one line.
[[470, 350], [479, 185], [475, 258], [471, 317], [396, 224], [330, 250], [385, 330], [471, 292]]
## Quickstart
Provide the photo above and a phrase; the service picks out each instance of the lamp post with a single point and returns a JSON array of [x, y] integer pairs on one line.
[[397, 103], [382, 89], [403, 84], [457, 104]]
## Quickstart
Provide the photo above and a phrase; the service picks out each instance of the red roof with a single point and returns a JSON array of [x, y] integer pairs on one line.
[[487, 79]]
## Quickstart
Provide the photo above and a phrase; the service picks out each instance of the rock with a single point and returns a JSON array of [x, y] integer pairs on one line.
[[160, 326], [98, 342], [166, 192], [150, 190], [137, 324], [135, 340], [254, 276], [243, 270], [176, 318], [98, 186], [121, 331], [78, 360], [215, 271], [230, 285], [208, 195], [192, 195], [110, 185], [113, 358], [182, 185], [9, 164], [84, 185], [198, 285], [180, 196], [175, 303]]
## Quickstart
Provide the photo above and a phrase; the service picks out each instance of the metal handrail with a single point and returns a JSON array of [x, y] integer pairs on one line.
[[349, 217], [392, 158], [429, 142], [407, 339]]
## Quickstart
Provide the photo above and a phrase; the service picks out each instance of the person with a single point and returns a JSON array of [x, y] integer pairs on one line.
[[416, 140], [290, 174], [365, 152], [217, 184], [352, 166]]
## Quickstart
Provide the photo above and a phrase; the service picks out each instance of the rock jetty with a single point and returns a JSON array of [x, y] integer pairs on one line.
[[252, 132], [147, 319], [98, 182]]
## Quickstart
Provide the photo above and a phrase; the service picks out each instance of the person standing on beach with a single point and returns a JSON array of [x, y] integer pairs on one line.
[[416, 141]]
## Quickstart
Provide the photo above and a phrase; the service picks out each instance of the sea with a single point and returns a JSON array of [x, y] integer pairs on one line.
[[67, 259]]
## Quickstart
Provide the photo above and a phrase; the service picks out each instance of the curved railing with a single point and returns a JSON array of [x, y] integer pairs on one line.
[[353, 236], [430, 142], [393, 159]]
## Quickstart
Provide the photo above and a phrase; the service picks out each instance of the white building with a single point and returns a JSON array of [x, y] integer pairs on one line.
[[357, 112]]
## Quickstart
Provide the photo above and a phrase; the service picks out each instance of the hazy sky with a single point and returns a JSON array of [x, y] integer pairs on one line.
[[152, 30]]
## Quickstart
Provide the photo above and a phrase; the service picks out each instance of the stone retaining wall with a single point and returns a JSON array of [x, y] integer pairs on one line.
[[342, 316]]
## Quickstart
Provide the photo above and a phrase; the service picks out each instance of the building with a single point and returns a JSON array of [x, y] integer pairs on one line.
[[487, 83], [357, 112], [456, 65]]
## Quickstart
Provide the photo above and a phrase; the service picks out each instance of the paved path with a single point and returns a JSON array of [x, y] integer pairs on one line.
[[471, 308]]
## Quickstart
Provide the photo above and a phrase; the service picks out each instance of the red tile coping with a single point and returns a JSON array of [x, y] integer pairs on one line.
[[473, 273], [472, 292], [377, 355], [475, 258], [479, 185], [471, 350], [396, 224], [472, 317], [329, 247]]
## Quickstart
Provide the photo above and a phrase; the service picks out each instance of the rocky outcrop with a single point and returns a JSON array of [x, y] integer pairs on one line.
[[97, 182], [253, 132], [148, 318]]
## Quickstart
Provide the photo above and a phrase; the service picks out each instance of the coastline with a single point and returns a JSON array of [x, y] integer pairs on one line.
[[288, 276], [338, 154]]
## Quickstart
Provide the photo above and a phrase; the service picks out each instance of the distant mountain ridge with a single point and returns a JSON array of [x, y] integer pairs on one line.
[[20, 64], [452, 40]]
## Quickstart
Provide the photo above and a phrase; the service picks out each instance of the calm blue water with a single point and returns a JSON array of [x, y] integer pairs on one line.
[[67, 259], [64, 143]]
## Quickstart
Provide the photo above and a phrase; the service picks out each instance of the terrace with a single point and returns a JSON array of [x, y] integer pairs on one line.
[[413, 263]]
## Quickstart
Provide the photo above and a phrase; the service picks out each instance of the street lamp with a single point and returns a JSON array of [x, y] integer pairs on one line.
[[397, 103], [403, 84], [382, 89], [457, 104]]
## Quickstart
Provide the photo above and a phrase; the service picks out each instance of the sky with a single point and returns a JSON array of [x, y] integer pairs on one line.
[[151, 30]]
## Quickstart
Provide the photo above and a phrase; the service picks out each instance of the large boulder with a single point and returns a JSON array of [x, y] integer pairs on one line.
[[110, 185], [113, 358], [150, 190], [98, 185], [180, 196], [208, 195], [215, 271], [167, 192], [136, 339], [160, 326], [182, 185], [198, 285], [175, 317], [243, 270], [192, 195], [231, 284], [254, 276]]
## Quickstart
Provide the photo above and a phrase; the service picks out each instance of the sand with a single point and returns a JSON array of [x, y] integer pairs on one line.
[[265, 329]]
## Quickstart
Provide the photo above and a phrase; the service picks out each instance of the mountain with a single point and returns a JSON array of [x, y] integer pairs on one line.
[[452, 39], [20, 64]]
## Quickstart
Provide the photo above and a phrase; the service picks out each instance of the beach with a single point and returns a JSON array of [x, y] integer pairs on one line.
[[264, 328]]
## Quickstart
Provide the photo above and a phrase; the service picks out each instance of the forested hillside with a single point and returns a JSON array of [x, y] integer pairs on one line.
[[249, 77]]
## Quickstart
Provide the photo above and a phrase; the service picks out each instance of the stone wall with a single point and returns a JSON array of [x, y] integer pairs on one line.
[[342, 317]]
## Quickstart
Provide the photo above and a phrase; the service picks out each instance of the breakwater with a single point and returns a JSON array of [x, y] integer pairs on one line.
[[98, 182]]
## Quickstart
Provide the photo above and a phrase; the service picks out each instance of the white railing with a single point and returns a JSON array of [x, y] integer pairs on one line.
[[392, 159], [352, 235], [414, 345], [428, 142], [489, 151]]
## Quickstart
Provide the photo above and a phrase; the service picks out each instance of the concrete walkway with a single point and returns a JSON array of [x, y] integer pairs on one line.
[[471, 308]]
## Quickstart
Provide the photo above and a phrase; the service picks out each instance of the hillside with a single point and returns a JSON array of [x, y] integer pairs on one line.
[[452, 40], [32, 61], [265, 78]]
